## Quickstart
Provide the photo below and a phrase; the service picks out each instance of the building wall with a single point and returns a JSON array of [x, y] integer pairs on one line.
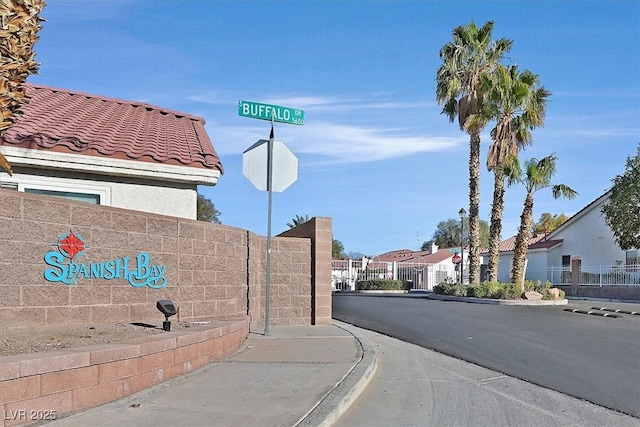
[[145, 195], [588, 238], [213, 271]]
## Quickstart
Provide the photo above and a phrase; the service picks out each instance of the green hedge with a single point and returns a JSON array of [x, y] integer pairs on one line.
[[383, 285]]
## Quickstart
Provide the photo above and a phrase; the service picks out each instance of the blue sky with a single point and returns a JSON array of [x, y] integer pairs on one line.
[[375, 154]]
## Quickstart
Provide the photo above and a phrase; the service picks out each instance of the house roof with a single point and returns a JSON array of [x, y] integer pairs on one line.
[[537, 241], [582, 212], [66, 121], [407, 255]]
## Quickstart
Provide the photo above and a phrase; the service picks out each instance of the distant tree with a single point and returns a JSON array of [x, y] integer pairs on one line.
[[447, 234], [622, 211], [337, 249], [426, 245], [298, 220], [536, 176], [207, 211], [20, 26], [356, 255], [549, 222]]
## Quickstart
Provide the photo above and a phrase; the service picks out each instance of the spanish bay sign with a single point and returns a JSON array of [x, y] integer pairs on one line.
[[255, 110]]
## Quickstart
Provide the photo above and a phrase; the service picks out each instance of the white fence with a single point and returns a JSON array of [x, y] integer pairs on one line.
[[346, 273], [602, 275]]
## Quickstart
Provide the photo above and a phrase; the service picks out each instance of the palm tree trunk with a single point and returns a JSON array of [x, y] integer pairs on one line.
[[522, 241], [474, 208], [495, 228]]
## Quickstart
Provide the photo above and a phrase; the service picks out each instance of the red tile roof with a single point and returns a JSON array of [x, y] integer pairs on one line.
[[73, 122], [407, 255], [537, 241]]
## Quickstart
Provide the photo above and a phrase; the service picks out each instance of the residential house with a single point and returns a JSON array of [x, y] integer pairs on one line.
[[585, 237], [424, 269], [109, 151]]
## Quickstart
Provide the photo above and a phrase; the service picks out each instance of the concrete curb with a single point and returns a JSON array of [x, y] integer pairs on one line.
[[342, 396], [496, 301], [431, 295]]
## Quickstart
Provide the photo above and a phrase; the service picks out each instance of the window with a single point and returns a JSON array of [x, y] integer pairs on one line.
[[83, 197], [633, 257], [59, 187], [566, 260]]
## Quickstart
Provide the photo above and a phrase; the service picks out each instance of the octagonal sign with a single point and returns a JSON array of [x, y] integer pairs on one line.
[[285, 165]]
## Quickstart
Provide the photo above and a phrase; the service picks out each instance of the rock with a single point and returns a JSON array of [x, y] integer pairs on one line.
[[532, 296], [555, 292]]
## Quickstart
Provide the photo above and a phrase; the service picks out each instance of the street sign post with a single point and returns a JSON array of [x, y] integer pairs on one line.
[[276, 113], [253, 167]]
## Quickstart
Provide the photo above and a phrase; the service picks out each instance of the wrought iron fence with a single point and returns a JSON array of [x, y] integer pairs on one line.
[[601, 275]]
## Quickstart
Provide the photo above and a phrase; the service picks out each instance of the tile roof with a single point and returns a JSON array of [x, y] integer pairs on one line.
[[537, 241], [73, 122], [407, 255]]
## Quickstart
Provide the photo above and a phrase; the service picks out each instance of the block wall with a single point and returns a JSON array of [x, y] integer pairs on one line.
[[213, 271]]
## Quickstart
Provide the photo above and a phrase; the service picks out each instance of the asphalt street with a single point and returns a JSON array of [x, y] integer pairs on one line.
[[589, 357], [413, 386]]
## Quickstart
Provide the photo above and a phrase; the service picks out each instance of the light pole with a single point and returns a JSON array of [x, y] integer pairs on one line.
[[462, 214]]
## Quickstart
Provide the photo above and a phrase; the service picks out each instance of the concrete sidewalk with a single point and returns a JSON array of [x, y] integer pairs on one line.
[[296, 376]]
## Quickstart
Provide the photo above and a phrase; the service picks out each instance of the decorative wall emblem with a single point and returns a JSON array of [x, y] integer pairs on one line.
[[71, 246]]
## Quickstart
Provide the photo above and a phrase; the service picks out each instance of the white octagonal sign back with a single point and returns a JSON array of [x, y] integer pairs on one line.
[[285, 166]]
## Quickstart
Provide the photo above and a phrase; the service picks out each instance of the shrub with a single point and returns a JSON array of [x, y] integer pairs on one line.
[[379, 285], [407, 285], [446, 288]]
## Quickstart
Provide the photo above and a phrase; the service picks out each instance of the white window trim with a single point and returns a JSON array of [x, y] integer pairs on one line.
[[103, 192]]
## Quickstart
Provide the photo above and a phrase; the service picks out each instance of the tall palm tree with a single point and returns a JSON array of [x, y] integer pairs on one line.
[[536, 176], [470, 55], [517, 102], [19, 25]]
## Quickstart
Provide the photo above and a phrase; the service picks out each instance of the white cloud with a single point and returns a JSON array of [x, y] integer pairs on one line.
[[338, 143]]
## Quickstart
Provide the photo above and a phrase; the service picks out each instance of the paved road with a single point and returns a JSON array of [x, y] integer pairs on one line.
[[589, 357], [413, 386]]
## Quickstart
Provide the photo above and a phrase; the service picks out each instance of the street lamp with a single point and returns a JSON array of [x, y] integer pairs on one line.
[[462, 214]]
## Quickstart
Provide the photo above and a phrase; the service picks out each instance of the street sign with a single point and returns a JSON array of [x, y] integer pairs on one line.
[[455, 259], [284, 168], [255, 110]]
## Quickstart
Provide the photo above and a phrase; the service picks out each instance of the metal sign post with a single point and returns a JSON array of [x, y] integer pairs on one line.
[[252, 168]]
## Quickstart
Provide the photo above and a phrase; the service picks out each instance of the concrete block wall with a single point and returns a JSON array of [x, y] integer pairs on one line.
[[40, 387], [319, 229], [213, 271]]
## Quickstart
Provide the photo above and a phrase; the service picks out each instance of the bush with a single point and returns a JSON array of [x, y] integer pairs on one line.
[[495, 290], [380, 285], [446, 288]]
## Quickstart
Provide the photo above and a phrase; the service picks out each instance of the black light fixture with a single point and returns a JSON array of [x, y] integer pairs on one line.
[[167, 308]]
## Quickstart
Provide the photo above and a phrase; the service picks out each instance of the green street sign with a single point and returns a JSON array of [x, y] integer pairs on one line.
[[255, 110]]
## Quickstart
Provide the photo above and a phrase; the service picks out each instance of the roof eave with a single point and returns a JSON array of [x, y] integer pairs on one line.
[[109, 166]]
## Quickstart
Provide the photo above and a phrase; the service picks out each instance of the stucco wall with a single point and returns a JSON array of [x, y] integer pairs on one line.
[[213, 271], [588, 238], [145, 195]]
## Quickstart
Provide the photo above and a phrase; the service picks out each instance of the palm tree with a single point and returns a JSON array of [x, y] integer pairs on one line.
[[18, 34], [298, 220], [517, 102], [470, 55], [536, 176]]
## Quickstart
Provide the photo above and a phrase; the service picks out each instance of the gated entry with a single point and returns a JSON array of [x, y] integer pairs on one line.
[[346, 273]]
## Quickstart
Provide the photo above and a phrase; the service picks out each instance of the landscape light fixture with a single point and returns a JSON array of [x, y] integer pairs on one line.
[[167, 308], [462, 214]]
